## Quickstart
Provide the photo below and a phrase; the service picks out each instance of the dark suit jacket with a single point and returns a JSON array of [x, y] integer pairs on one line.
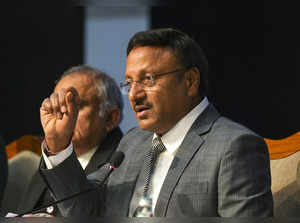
[[38, 194], [221, 169]]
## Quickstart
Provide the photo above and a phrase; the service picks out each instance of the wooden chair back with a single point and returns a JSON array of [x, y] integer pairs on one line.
[[26, 142]]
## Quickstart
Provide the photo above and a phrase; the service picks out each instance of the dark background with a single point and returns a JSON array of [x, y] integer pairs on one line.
[[38, 42], [252, 49], [253, 53]]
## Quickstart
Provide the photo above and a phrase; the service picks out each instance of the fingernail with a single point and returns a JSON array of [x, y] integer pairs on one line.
[[63, 109]]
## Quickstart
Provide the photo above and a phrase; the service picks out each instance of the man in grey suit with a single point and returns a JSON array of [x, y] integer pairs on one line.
[[209, 165]]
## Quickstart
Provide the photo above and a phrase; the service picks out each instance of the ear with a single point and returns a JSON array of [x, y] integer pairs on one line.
[[112, 119], [192, 80]]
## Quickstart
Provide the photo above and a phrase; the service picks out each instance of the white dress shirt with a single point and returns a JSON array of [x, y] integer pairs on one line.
[[172, 141]]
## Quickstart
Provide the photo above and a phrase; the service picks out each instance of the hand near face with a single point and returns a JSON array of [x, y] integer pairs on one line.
[[58, 115]]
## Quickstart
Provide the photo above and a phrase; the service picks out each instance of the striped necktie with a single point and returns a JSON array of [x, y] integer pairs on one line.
[[144, 208]]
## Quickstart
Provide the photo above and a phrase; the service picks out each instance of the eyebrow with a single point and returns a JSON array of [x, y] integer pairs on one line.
[[141, 74]]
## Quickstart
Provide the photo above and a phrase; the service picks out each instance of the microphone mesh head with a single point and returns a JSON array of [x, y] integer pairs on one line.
[[117, 159]]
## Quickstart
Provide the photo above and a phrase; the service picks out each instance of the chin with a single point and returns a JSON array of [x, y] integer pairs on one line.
[[149, 125], [146, 125]]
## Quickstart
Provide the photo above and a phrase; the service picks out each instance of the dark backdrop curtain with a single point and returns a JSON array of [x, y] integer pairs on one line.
[[38, 42], [253, 52]]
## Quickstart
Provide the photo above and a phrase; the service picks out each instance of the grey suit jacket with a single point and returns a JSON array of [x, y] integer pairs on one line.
[[221, 169], [37, 188]]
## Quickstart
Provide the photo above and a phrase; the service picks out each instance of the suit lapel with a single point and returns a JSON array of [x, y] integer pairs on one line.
[[105, 151], [99, 158], [190, 145]]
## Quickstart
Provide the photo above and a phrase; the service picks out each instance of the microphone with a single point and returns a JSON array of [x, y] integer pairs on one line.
[[98, 176]]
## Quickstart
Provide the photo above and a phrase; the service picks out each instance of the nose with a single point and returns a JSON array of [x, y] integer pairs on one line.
[[136, 91]]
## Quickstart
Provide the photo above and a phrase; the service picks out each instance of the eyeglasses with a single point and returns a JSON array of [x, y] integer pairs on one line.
[[147, 81]]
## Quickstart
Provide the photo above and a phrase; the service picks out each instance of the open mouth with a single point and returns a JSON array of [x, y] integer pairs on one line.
[[141, 110]]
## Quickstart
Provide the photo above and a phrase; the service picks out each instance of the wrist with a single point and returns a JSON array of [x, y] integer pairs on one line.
[[47, 151], [52, 148]]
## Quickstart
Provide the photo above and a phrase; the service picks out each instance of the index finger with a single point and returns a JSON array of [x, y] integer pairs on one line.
[[61, 100], [72, 97]]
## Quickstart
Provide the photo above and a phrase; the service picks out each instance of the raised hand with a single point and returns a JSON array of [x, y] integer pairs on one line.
[[58, 115]]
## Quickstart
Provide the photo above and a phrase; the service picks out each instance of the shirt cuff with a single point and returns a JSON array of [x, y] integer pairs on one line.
[[55, 160]]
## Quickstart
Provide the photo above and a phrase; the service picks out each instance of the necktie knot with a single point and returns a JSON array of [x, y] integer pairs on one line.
[[157, 146]]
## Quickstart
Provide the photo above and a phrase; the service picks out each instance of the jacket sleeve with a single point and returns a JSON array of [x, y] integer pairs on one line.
[[68, 178], [244, 183]]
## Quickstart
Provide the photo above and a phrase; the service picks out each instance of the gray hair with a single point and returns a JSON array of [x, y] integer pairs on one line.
[[108, 91]]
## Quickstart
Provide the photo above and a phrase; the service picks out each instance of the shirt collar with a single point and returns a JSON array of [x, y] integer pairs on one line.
[[174, 137], [85, 158]]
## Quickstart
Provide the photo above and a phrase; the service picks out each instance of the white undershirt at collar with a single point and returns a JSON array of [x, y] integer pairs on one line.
[[85, 158]]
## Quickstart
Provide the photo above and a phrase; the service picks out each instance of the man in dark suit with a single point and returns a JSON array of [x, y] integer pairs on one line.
[[96, 133], [208, 165]]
